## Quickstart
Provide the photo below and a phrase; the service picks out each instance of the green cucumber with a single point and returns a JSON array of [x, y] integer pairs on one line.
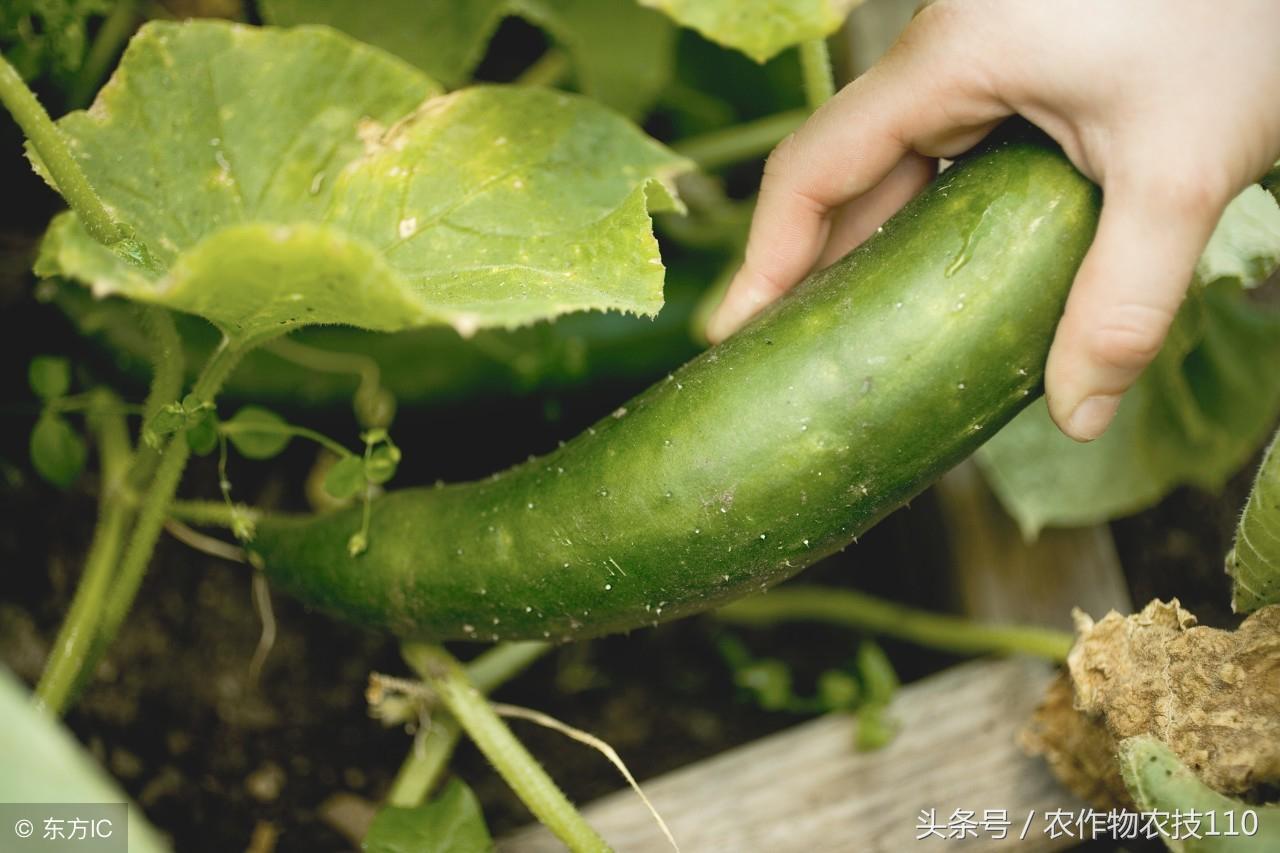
[[756, 459]]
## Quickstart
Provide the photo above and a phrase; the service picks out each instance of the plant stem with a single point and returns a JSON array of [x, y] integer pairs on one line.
[[49, 143], [521, 770], [211, 513], [105, 416], [815, 65], [155, 505], [365, 368], [745, 141], [73, 653], [106, 592], [864, 612], [434, 746], [230, 428], [63, 672], [547, 70], [168, 362], [113, 33]]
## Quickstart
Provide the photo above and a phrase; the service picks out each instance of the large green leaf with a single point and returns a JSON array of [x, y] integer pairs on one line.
[[622, 53], [450, 823], [1254, 560], [43, 763], [291, 177], [758, 28], [1196, 415], [445, 38]]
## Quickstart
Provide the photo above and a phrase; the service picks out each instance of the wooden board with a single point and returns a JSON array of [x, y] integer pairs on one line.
[[1000, 577], [807, 789]]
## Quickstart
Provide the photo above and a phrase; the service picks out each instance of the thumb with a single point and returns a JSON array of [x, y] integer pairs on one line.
[[1125, 296]]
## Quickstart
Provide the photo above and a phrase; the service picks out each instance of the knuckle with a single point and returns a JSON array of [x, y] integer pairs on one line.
[[1130, 336], [1195, 190], [938, 14], [781, 159]]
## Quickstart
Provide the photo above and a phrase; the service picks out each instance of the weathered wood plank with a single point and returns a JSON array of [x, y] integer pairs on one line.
[[807, 789], [1000, 577]]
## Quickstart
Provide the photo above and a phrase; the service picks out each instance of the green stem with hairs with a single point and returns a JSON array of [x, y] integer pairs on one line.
[[434, 746], [211, 513], [111, 580], [70, 660], [62, 675], [229, 428], [815, 65], [49, 143], [746, 141], [863, 612], [449, 680], [155, 505], [548, 70]]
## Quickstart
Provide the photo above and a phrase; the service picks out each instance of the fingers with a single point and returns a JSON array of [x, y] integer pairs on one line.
[[856, 221], [1125, 296], [923, 97]]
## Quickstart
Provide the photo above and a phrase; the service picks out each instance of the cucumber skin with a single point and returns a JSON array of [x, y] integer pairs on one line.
[[756, 459]]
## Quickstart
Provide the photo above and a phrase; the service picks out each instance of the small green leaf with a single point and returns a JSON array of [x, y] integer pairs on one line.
[[879, 680], [875, 728], [1254, 561], [202, 434], [346, 478], [257, 433], [758, 28], [170, 419], [49, 376], [838, 691], [375, 435], [381, 464], [1194, 417], [450, 823], [769, 680], [358, 543], [57, 451]]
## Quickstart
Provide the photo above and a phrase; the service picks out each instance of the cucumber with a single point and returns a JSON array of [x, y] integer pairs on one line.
[[761, 456]]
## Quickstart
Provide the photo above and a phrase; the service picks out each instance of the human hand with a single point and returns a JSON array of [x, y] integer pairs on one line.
[[1169, 105]]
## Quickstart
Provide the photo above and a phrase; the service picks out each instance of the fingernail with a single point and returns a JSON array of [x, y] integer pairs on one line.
[[1091, 416]]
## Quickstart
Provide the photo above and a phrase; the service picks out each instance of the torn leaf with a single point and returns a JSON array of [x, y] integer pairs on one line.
[[307, 179], [1254, 560]]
